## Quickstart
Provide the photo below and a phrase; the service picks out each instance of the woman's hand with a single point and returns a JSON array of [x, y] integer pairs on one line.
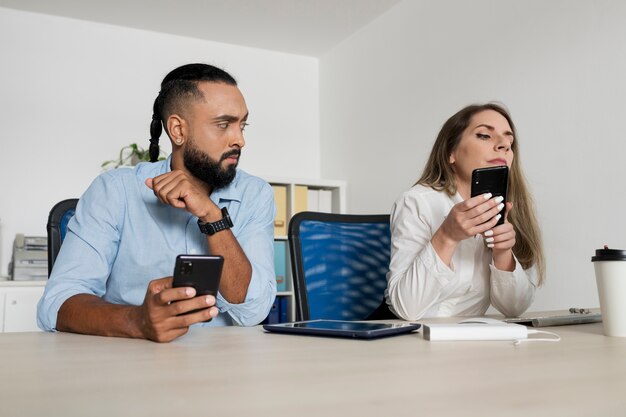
[[467, 219], [471, 217], [502, 239]]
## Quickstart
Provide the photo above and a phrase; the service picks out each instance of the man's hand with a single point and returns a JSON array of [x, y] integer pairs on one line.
[[160, 316], [181, 190]]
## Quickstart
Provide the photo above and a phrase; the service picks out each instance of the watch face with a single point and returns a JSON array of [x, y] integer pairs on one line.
[[226, 217]]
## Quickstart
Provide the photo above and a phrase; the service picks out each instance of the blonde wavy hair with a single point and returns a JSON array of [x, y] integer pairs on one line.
[[439, 175]]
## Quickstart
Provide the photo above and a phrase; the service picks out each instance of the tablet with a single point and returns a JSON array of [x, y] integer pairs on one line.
[[341, 328]]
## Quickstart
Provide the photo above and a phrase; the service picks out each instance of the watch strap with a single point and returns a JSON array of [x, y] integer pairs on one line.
[[218, 226]]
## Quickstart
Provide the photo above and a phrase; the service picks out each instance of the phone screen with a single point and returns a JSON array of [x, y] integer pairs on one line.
[[494, 180]]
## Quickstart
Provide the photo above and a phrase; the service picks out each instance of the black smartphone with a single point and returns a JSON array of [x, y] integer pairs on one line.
[[202, 272], [494, 180]]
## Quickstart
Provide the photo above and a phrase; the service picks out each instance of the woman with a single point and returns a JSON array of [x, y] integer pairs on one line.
[[448, 257]]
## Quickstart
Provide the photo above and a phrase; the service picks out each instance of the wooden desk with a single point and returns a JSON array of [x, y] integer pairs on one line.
[[246, 372]]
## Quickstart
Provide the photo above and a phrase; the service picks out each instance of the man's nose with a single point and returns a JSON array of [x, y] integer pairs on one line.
[[237, 139]]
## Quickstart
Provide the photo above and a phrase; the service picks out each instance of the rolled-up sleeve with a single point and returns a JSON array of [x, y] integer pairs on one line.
[[84, 261], [256, 238]]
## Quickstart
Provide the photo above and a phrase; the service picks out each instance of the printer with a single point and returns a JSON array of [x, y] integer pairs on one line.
[[30, 258]]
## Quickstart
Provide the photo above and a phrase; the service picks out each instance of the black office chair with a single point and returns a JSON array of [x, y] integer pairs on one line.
[[60, 214], [339, 264]]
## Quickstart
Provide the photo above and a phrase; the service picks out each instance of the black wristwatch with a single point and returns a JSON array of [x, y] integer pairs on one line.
[[213, 228]]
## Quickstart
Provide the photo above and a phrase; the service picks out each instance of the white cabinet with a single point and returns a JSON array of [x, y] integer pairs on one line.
[[18, 305]]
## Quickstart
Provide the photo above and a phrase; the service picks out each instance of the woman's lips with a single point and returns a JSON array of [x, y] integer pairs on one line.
[[498, 161]]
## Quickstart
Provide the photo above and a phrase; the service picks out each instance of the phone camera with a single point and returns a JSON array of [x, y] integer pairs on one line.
[[186, 268]]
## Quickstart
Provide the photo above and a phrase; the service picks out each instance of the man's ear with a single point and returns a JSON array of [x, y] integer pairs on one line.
[[176, 129]]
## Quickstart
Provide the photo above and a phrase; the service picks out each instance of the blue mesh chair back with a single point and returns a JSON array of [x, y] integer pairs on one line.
[[58, 218], [339, 264]]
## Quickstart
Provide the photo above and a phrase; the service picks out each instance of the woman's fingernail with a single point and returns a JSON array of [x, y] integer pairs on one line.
[[499, 199], [489, 233], [490, 245], [500, 206], [487, 196], [498, 216], [489, 240]]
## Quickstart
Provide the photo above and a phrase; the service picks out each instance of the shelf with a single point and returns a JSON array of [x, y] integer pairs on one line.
[[294, 195]]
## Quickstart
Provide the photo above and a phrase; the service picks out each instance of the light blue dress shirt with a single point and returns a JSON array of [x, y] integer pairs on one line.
[[122, 237]]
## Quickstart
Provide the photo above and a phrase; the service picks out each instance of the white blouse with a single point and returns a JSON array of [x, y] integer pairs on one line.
[[420, 285]]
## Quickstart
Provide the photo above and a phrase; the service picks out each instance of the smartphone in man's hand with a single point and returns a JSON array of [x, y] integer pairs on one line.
[[494, 180], [202, 272]]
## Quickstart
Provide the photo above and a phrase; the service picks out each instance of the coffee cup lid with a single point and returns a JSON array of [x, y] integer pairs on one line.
[[607, 254]]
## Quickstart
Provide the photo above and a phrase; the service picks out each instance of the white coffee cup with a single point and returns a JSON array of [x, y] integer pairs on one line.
[[610, 267]]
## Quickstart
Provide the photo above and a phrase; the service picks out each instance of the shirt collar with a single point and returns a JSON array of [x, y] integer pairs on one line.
[[231, 192]]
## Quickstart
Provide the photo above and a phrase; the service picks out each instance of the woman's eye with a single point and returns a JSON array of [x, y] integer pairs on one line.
[[482, 136]]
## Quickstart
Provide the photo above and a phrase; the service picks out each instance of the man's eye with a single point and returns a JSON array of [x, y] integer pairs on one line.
[[243, 126], [482, 136], [223, 125]]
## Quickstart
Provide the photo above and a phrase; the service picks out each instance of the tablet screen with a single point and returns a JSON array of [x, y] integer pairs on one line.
[[341, 325]]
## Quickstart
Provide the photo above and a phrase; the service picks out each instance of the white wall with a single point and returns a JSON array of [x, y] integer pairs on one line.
[[72, 93], [560, 67]]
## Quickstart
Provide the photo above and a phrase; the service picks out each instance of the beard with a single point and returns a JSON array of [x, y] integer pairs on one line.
[[208, 170]]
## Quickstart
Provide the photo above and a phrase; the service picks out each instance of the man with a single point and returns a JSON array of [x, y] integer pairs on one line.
[[130, 225]]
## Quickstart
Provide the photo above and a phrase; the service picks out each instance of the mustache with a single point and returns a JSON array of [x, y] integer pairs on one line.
[[234, 152]]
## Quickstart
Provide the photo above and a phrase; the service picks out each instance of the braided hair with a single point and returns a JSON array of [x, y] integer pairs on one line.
[[177, 88]]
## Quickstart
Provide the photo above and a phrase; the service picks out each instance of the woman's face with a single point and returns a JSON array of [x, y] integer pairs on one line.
[[486, 142]]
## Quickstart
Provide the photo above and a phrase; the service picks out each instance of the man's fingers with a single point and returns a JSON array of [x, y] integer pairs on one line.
[[198, 316], [175, 294], [171, 188], [157, 285], [164, 187], [195, 303], [176, 198]]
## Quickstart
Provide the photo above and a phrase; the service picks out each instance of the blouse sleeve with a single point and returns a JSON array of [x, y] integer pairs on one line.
[[513, 292], [417, 277]]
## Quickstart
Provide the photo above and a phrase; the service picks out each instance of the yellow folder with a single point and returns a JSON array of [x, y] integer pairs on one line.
[[301, 199], [280, 222]]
